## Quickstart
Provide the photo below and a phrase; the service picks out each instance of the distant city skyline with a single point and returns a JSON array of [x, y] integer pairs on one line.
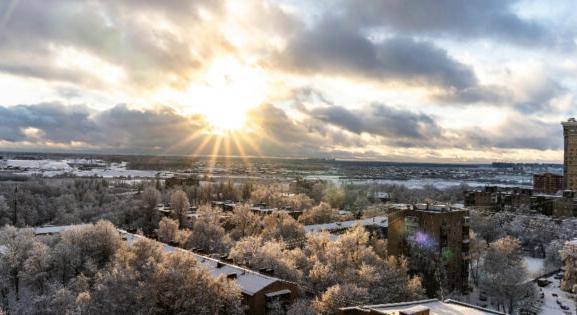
[[425, 81]]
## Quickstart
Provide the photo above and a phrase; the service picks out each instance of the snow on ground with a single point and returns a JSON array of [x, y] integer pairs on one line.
[[40, 164], [550, 306], [535, 266], [51, 168]]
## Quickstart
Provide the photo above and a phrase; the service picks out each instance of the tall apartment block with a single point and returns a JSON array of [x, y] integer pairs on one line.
[[443, 229], [570, 161]]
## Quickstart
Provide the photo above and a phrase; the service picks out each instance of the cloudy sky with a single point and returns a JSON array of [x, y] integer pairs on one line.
[[423, 80]]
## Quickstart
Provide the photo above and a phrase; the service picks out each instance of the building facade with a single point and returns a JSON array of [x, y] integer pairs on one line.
[[547, 183], [438, 229], [498, 199], [570, 159]]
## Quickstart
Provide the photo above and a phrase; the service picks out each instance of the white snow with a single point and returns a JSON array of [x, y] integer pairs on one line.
[[550, 306], [535, 266], [52, 168], [250, 282], [434, 306], [381, 221]]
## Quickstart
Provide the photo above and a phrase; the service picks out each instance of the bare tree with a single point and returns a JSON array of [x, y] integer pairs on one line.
[[245, 222], [150, 199], [505, 275], [322, 213], [179, 202]]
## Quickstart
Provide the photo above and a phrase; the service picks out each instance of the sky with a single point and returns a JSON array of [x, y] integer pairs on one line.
[[391, 80]]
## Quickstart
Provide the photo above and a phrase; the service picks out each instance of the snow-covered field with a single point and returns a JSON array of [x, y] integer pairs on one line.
[[51, 168]]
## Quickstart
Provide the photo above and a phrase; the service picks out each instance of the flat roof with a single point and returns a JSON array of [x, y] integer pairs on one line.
[[435, 307], [382, 221], [55, 229]]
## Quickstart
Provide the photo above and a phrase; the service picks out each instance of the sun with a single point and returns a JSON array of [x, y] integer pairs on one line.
[[227, 91]]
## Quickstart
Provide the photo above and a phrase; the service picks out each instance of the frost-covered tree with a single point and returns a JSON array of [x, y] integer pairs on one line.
[[477, 250], [151, 197], [245, 222], [257, 253], [85, 249], [18, 245], [322, 213], [167, 230], [281, 226], [335, 196], [504, 274], [300, 307], [145, 280], [569, 259], [553, 255], [340, 296], [207, 233], [180, 204], [37, 267]]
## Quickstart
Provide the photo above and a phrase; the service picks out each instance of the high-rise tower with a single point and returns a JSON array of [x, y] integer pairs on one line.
[[570, 161]]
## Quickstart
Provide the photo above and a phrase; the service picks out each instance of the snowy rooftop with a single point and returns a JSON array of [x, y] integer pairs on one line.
[[250, 282], [435, 307], [381, 221], [55, 229]]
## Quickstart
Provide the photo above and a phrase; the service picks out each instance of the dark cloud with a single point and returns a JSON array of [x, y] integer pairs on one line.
[[518, 132], [118, 32], [333, 48], [325, 131], [472, 19], [58, 123], [380, 120]]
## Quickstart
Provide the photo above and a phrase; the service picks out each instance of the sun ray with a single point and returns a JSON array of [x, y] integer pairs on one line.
[[241, 151], [203, 144], [214, 155]]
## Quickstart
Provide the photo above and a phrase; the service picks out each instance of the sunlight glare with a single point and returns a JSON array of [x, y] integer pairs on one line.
[[229, 89]]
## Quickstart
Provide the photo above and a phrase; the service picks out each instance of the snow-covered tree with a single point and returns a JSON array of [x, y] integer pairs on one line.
[[281, 226], [477, 250], [151, 197], [322, 213], [340, 296], [245, 222], [207, 233], [569, 259], [300, 307], [18, 247], [504, 274], [180, 204], [167, 230]]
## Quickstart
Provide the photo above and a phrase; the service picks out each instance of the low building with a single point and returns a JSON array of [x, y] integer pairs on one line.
[[423, 307], [54, 230], [261, 293], [559, 206], [498, 198], [379, 196], [377, 226], [439, 228], [547, 183]]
